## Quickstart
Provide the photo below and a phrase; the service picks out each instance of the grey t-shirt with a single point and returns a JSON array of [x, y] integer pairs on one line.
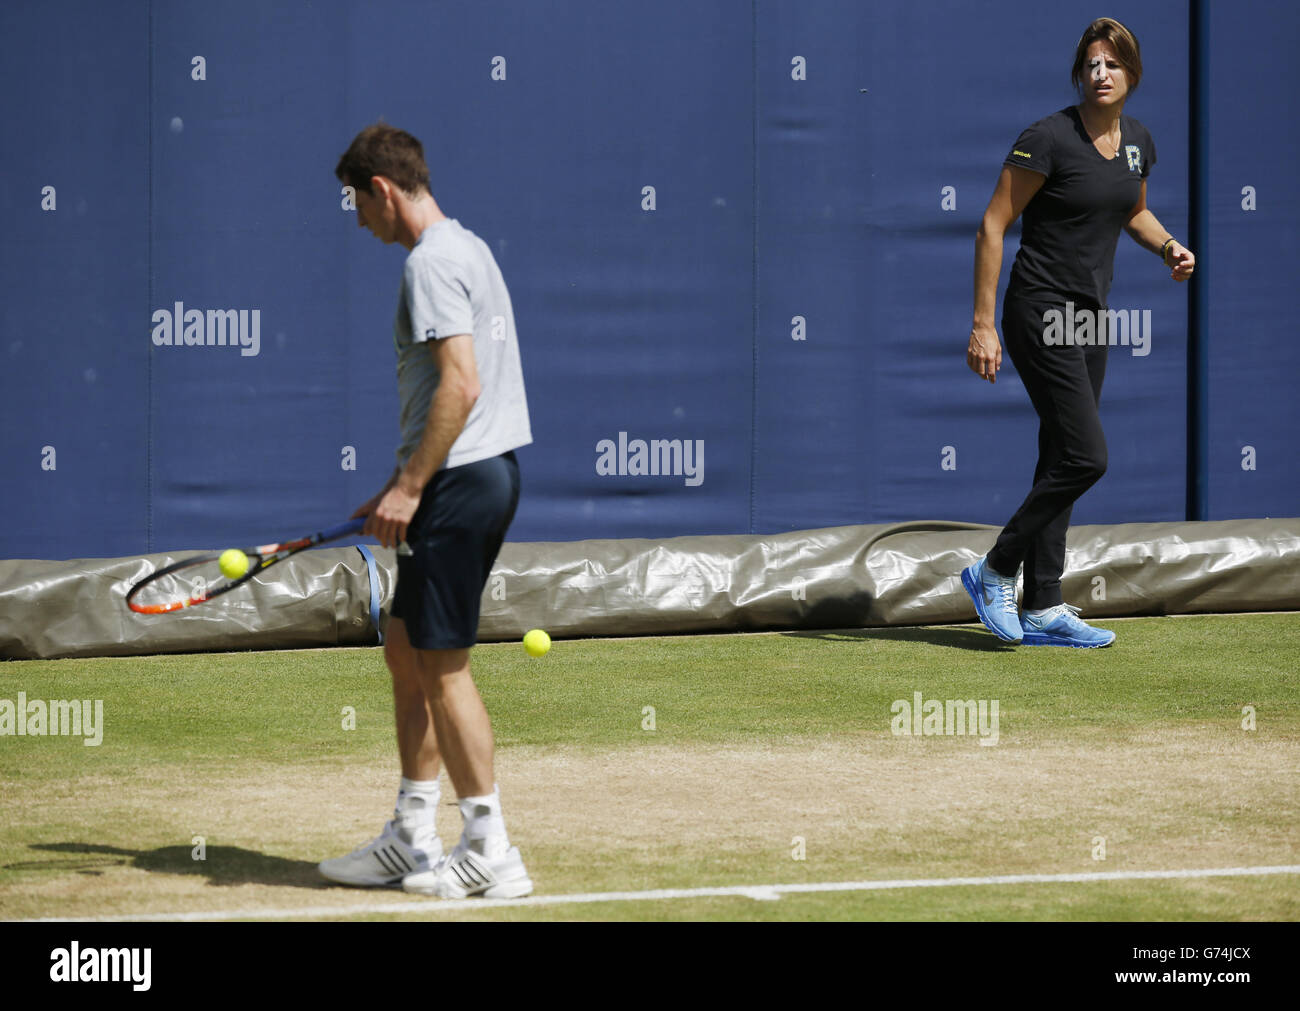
[[451, 285]]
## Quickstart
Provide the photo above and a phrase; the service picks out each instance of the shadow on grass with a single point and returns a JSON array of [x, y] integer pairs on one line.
[[971, 639], [223, 865]]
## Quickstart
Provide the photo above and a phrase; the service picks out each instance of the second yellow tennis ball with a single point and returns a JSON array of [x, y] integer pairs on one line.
[[537, 643], [233, 562]]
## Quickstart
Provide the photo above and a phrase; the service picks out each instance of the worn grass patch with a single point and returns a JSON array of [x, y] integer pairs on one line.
[[688, 762]]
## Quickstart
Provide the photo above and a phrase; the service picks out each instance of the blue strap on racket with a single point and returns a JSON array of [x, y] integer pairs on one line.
[[373, 572]]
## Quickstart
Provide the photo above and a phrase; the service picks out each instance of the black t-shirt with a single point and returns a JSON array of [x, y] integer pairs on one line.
[[1072, 225]]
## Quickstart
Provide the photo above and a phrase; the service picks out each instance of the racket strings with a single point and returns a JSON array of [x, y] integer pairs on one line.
[[184, 585]]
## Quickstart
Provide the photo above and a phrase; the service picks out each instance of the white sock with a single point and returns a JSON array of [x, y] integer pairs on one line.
[[1037, 612], [417, 808], [485, 828]]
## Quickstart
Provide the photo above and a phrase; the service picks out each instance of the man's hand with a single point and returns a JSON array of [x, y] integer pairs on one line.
[[1182, 261], [371, 503], [388, 521], [984, 353]]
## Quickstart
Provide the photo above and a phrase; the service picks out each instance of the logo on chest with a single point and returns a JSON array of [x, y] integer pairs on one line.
[[1134, 154]]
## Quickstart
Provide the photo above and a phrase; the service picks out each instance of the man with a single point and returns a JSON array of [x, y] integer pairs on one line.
[[447, 508]]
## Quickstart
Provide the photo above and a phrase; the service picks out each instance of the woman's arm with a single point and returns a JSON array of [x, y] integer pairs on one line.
[[1150, 234], [1016, 187]]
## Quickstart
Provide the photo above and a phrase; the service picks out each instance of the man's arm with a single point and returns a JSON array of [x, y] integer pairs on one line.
[[1151, 235], [374, 500], [458, 389]]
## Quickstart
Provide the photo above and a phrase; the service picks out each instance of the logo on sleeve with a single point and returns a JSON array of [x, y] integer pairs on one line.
[[1021, 154], [1134, 154], [432, 334]]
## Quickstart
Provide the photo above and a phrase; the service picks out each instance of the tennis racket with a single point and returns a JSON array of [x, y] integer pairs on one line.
[[197, 580]]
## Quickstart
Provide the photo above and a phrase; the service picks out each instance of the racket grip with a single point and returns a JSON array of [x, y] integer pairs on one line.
[[342, 530]]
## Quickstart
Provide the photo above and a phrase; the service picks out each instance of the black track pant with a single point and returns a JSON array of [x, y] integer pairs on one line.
[[1064, 384]]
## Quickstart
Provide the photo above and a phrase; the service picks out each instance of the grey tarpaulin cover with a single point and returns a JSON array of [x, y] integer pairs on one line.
[[78, 608], [841, 577]]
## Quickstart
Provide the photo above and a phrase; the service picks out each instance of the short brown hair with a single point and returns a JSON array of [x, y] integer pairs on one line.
[[383, 150], [1123, 41]]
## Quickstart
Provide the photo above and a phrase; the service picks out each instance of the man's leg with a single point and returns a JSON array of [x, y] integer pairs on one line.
[[476, 503], [409, 843], [460, 719], [417, 741], [483, 862]]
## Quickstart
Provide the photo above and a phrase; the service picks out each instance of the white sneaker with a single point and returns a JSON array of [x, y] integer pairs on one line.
[[385, 860], [464, 873]]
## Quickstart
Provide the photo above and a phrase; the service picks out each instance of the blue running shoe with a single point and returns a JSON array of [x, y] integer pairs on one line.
[[995, 600], [1062, 626]]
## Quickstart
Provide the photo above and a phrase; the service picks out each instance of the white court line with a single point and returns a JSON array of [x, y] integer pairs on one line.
[[756, 892]]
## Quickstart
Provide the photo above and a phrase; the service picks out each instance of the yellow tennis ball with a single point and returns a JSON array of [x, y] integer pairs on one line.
[[233, 562], [537, 643]]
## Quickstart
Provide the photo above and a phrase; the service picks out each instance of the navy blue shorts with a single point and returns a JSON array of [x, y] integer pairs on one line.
[[454, 538]]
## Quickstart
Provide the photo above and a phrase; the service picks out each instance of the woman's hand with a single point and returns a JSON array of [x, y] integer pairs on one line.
[[984, 354], [1180, 258]]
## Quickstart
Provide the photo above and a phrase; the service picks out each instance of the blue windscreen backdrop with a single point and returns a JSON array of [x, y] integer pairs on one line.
[[739, 233]]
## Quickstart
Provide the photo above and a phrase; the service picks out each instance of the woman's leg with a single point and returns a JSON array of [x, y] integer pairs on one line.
[[1064, 383], [1045, 559]]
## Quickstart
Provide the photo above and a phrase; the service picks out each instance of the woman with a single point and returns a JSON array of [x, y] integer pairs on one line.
[[1079, 176]]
